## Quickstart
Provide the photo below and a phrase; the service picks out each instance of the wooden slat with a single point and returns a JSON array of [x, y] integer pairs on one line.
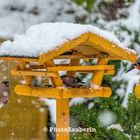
[[80, 68], [73, 62], [61, 93], [32, 73], [81, 56], [107, 72], [8, 58], [50, 74]]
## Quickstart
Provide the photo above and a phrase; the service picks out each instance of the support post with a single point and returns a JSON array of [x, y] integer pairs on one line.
[[62, 119], [98, 76], [62, 110]]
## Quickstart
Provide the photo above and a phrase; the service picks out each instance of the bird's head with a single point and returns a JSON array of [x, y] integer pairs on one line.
[[135, 66]]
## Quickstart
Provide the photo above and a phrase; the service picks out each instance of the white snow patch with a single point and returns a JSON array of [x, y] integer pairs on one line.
[[5, 93], [48, 36], [90, 105], [116, 126], [51, 103], [134, 15], [106, 118], [77, 101]]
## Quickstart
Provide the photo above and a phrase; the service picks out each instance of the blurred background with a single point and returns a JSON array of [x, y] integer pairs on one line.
[[116, 118]]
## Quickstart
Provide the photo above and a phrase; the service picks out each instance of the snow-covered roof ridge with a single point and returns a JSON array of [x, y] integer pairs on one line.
[[44, 37]]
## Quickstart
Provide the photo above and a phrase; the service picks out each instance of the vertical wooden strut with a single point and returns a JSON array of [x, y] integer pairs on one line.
[[62, 112], [72, 63], [98, 76]]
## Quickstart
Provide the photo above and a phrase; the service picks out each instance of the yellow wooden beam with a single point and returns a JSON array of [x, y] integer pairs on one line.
[[43, 58], [60, 93], [110, 48], [81, 56], [106, 72], [32, 73], [19, 59], [50, 74], [80, 68]]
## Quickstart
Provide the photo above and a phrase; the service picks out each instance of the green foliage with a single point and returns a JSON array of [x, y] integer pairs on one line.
[[128, 118], [87, 4]]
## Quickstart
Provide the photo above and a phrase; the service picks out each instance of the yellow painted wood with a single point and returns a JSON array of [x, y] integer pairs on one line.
[[57, 80], [72, 73], [59, 93], [32, 73], [80, 68], [80, 56], [110, 48], [137, 91], [94, 41], [98, 76], [97, 42], [62, 108], [62, 117], [73, 62], [61, 49], [107, 72], [51, 74], [8, 58]]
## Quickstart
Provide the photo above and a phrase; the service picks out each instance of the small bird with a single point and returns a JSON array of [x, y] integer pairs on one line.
[[73, 82], [135, 66], [4, 93]]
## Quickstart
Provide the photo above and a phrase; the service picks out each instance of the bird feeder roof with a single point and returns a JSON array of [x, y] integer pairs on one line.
[[47, 41]]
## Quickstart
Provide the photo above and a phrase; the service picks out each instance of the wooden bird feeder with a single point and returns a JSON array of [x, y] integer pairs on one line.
[[85, 46]]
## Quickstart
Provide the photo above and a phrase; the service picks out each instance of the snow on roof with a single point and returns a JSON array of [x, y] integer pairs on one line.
[[48, 36]]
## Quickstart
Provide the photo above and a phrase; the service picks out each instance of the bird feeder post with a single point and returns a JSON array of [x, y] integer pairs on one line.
[[62, 109], [62, 115], [62, 119]]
